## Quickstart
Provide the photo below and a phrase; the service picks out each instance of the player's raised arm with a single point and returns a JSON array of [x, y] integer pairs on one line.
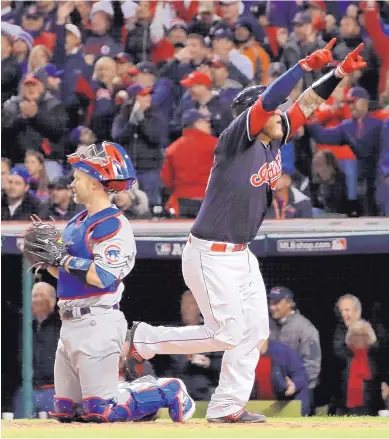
[[321, 90], [280, 89]]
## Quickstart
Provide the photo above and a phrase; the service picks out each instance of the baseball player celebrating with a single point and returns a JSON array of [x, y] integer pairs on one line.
[[217, 265], [96, 251]]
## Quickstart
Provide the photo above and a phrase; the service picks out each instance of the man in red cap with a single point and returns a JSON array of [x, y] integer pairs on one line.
[[201, 97]]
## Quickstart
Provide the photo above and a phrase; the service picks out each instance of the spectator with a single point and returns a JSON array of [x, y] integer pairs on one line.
[[289, 326], [280, 375], [34, 120], [162, 95], [133, 203], [22, 48], [50, 78], [10, 70], [205, 19], [360, 381], [9, 14], [46, 328], [224, 48], [232, 10], [39, 56], [227, 87], [175, 38], [82, 136], [138, 43], [301, 44], [249, 47], [276, 69], [60, 205], [48, 9], [104, 111], [350, 32], [34, 162], [288, 202], [186, 60], [124, 63], [362, 133], [329, 193], [331, 29], [100, 42], [199, 371], [383, 171], [6, 166], [187, 165], [17, 203], [140, 128], [203, 99]]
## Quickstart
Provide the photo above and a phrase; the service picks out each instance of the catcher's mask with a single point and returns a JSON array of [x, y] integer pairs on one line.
[[107, 163], [246, 98]]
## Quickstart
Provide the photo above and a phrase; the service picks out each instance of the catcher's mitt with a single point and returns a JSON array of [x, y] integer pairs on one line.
[[43, 245]]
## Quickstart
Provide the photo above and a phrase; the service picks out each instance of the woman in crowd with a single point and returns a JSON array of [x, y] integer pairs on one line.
[[39, 182], [40, 56]]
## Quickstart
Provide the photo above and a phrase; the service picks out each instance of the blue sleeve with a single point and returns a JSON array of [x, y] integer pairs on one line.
[[281, 88], [59, 55], [162, 90], [331, 136], [122, 130], [295, 369], [287, 158], [384, 144]]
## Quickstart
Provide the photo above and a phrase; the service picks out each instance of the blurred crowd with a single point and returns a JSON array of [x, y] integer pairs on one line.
[[289, 368], [158, 77]]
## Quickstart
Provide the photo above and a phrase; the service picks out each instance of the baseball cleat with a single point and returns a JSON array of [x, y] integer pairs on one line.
[[243, 416], [134, 359], [182, 406]]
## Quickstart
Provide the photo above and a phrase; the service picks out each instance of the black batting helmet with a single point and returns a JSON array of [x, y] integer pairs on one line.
[[246, 99]]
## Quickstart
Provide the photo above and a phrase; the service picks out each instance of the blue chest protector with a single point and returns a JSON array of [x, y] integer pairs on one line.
[[75, 235]]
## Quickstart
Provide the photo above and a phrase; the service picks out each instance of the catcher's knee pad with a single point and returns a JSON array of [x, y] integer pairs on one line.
[[181, 405], [64, 409], [101, 410]]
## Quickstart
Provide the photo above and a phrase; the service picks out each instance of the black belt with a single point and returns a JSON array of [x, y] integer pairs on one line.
[[67, 314]]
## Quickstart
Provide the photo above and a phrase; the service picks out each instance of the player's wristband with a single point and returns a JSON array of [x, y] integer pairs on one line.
[[326, 85], [79, 267]]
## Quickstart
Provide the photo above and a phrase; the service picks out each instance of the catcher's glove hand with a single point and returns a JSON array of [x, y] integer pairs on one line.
[[43, 245]]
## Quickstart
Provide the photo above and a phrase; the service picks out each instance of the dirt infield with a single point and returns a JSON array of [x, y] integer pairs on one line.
[[274, 428]]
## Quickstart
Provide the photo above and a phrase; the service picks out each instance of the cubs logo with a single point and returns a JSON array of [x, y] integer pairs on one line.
[[268, 173], [112, 253]]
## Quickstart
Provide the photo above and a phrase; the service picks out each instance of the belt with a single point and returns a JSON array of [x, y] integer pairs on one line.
[[69, 314], [222, 247]]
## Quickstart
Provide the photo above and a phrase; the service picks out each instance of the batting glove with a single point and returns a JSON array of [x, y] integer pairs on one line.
[[318, 59], [352, 62]]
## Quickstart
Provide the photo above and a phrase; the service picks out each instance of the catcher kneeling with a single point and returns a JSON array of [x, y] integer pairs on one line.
[[97, 250]]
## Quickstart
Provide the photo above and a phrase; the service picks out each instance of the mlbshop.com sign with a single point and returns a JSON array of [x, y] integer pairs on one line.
[[311, 245]]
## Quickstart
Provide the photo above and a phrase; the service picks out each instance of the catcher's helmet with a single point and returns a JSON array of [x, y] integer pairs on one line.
[[108, 163], [246, 99]]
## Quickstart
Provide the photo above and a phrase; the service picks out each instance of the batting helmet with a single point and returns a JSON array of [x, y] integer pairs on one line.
[[107, 163], [246, 99]]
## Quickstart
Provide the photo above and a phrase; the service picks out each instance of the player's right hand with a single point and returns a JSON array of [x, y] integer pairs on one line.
[[318, 59]]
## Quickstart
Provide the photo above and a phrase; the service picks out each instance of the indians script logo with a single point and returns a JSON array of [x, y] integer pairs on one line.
[[112, 253], [268, 173]]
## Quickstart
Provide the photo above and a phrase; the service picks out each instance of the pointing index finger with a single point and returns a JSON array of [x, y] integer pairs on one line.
[[331, 44], [357, 51]]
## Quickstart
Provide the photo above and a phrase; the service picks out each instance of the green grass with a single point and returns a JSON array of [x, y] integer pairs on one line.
[[358, 427]]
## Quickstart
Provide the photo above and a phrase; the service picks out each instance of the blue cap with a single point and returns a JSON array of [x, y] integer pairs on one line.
[[223, 33], [22, 172], [33, 12], [278, 293], [137, 89], [191, 116], [27, 38], [76, 134], [357, 93], [147, 67], [51, 70]]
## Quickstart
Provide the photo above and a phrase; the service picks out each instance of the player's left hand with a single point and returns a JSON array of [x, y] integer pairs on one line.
[[352, 62], [318, 59]]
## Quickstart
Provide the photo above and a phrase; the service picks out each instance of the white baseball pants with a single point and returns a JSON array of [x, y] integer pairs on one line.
[[231, 295]]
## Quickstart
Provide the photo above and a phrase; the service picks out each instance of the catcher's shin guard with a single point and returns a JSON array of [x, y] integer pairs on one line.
[[101, 410], [64, 409]]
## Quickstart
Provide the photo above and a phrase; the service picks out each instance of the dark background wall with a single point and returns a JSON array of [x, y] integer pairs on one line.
[[154, 288]]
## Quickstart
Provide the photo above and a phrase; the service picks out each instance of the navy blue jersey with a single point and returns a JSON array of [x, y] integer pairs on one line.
[[240, 186]]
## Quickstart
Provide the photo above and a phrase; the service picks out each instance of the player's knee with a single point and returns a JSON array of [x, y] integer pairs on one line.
[[100, 410], [64, 409], [231, 334]]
